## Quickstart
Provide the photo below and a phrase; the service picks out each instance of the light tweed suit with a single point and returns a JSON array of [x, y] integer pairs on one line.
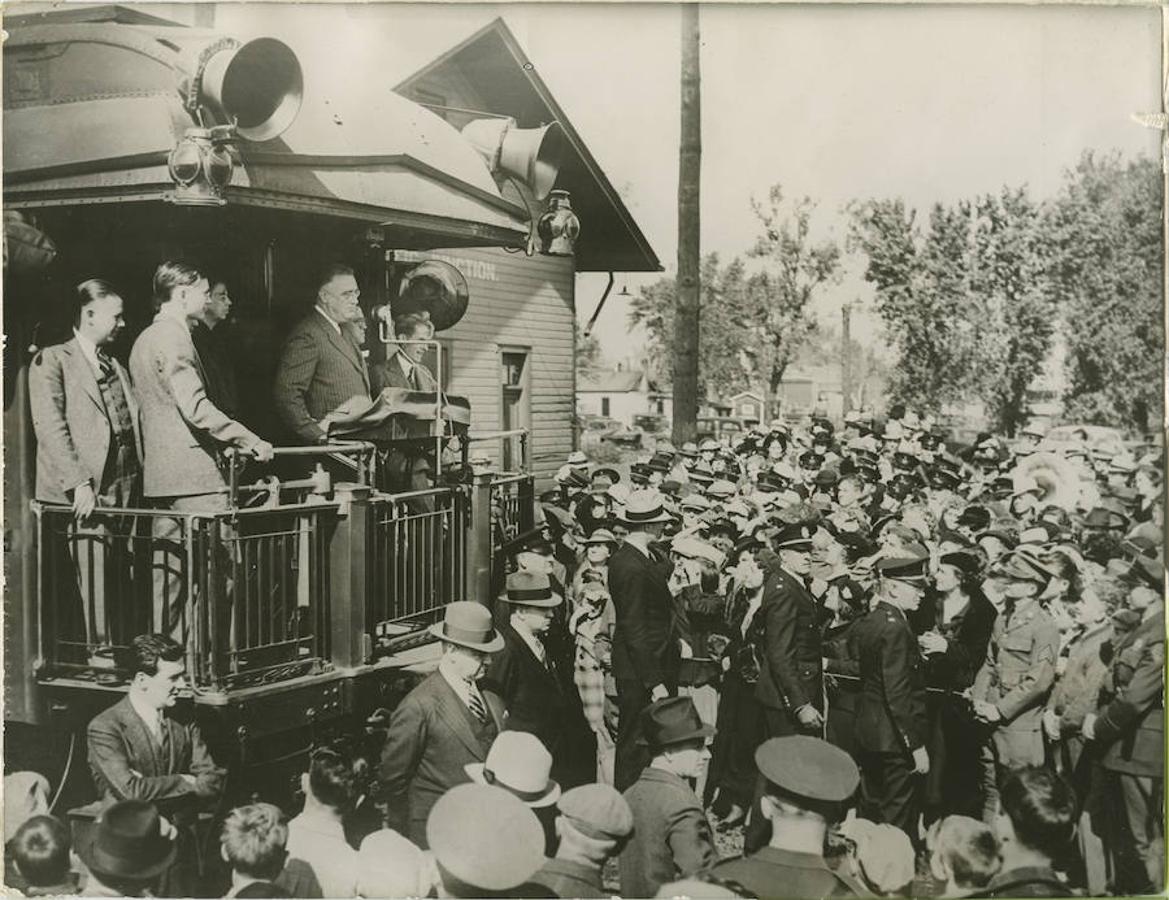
[[319, 370], [181, 428]]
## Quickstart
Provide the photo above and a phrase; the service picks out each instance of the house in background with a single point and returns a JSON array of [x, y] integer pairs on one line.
[[620, 394], [749, 405], [817, 389]]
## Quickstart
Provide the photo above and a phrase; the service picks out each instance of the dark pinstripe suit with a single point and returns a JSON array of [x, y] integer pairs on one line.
[[319, 370]]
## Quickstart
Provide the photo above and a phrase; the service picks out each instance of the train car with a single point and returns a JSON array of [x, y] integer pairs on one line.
[[129, 141]]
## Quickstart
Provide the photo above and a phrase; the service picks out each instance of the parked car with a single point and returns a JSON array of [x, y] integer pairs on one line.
[[624, 437]]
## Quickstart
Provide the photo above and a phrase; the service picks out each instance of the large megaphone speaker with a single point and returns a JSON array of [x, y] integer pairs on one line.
[[533, 155], [257, 85], [437, 288]]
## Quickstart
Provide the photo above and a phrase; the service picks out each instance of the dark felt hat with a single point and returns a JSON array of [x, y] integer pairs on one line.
[[129, 844], [672, 720]]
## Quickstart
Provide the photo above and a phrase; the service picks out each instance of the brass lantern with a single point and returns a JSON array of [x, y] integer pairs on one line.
[[558, 228], [201, 166]]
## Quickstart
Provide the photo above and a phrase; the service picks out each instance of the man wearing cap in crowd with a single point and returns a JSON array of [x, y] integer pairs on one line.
[[790, 680], [671, 835], [485, 842], [443, 724], [645, 650], [891, 725], [1128, 730], [1009, 690], [538, 697], [806, 784], [593, 823]]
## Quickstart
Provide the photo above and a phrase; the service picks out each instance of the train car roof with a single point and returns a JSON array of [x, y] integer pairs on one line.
[[92, 110]]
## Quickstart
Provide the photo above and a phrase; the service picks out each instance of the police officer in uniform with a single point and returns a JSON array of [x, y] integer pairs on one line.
[[806, 781], [891, 724], [790, 654], [1010, 688]]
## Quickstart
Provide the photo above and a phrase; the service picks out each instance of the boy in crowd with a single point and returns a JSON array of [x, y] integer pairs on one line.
[[964, 854], [253, 843], [40, 853]]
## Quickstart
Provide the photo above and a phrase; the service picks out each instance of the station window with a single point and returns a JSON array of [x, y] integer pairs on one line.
[[604, 406]]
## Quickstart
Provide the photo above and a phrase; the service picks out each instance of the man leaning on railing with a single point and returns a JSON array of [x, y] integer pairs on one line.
[[182, 429]]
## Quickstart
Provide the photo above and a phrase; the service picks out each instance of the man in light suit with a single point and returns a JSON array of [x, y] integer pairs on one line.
[[89, 448], [442, 725], [182, 430], [139, 752], [321, 366]]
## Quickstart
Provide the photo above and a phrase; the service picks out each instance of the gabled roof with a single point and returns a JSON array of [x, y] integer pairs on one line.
[[610, 382], [493, 61]]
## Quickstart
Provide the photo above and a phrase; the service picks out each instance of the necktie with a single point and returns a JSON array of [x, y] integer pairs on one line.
[[415, 381], [104, 364], [475, 702], [163, 735]]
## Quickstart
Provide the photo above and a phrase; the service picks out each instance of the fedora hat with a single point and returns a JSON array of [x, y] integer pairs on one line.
[[672, 720], [129, 843], [644, 508], [519, 763], [468, 624], [530, 589]]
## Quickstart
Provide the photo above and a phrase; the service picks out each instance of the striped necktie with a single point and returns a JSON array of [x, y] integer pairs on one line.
[[475, 702]]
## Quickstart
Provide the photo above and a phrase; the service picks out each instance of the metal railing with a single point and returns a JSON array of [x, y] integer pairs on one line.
[[417, 560], [244, 591]]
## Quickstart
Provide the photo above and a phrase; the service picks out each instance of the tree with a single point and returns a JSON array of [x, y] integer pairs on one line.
[[775, 309], [920, 282], [720, 345], [1012, 303], [1106, 225], [968, 304], [587, 351]]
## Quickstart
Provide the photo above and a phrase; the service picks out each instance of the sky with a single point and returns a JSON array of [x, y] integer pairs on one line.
[[837, 102]]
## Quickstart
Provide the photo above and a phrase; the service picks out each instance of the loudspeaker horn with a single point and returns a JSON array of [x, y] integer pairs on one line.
[[533, 155], [258, 85]]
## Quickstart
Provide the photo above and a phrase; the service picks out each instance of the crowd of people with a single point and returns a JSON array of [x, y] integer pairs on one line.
[[892, 664]]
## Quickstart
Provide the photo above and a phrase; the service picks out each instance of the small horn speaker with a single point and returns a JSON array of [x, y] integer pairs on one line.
[[435, 287], [533, 155], [258, 85]]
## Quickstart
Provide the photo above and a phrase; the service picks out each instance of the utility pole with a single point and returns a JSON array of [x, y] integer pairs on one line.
[[845, 358], [686, 301]]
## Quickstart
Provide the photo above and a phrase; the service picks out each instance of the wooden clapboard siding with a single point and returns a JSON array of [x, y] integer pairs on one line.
[[525, 303]]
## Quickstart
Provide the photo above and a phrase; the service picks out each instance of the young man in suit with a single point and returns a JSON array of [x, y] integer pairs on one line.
[[526, 678], [645, 654], [891, 725], [442, 725], [89, 448], [321, 366], [183, 431], [139, 752], [671, 836]]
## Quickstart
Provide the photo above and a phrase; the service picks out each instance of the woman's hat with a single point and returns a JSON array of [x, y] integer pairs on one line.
[[601, 536], [644, 508], [530, 589], [468, 624], [519, 763], [970, 563], [129, 843], [672, 720]]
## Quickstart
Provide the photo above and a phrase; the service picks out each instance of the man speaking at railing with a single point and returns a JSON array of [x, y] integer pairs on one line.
[[183, 431], [321, 367]]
